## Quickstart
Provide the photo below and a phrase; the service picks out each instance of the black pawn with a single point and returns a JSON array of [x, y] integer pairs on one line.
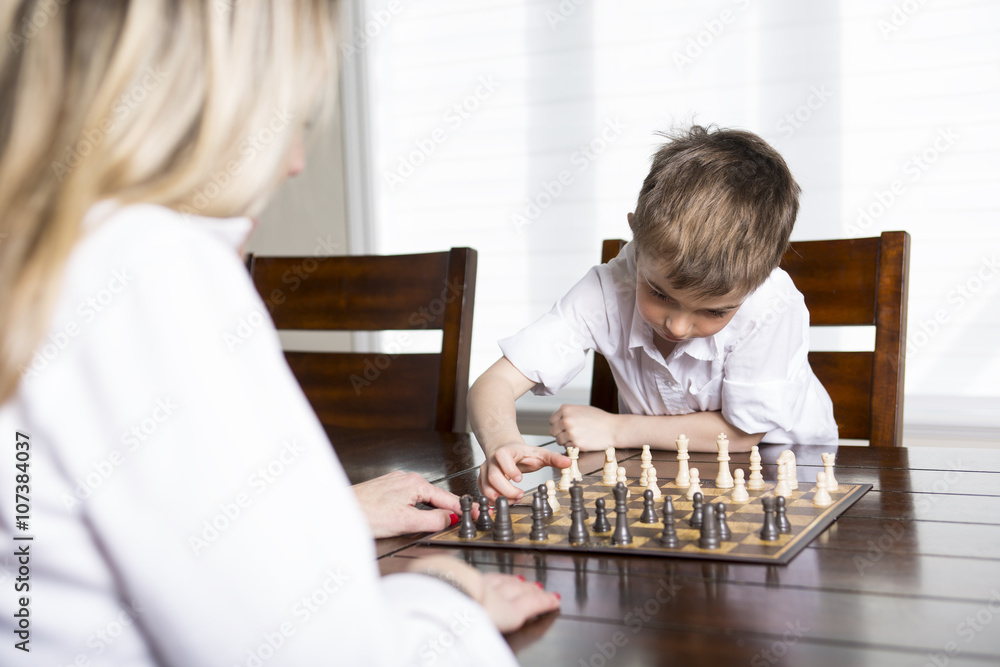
[[720, 516], [538, 530], [697, 511], [669, 537], [503, 531], [648, 510], [543, 491], [485, 521], [467, 529], [769, 531], [578, 529], [622, 534], [781, 515], [709, 529], [601, 524]]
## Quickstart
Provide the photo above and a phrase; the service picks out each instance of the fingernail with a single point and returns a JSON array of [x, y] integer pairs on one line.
[[521, 577], [558, 597], [539, 584], [454, 519]]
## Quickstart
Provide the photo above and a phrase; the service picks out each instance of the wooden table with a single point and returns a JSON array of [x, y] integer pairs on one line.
[[910, 575]]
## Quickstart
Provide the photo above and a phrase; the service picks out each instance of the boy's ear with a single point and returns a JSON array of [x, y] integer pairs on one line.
[[630, 215]]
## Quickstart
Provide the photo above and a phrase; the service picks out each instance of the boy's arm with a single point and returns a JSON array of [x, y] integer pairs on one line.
[[494, 421], [593, 429]]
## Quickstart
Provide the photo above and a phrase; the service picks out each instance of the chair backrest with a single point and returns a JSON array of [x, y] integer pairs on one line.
[[845, 282], [378, 293]]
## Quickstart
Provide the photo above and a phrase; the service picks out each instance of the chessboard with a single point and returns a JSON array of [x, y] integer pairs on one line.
[[745, 520]]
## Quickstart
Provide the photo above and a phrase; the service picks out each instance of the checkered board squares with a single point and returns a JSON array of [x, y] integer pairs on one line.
[[744, 519]]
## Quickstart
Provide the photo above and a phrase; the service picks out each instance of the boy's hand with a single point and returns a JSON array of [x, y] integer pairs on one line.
[[507, 462], [591, 429]]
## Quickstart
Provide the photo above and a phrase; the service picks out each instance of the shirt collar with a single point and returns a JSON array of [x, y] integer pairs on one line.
[[641, 336]]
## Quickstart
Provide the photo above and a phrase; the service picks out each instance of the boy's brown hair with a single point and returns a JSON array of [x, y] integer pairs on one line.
[[716, 211]]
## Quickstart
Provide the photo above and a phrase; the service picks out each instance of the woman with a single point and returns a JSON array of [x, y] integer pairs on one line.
[[180, 492]]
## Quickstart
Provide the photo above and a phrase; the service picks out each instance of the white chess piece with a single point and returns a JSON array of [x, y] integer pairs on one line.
[[791, 472], [624, 480], [756, 481], [724, 480], [783, 488], [831, 481], [740, 494], [652, 484], [821, 498], [553, 501], [574, 466], [695, 486], [610, 477], [566, 480], [647, 463], [683, 474]]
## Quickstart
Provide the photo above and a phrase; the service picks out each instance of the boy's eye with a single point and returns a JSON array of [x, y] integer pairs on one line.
[[717, 313], [659, 295]]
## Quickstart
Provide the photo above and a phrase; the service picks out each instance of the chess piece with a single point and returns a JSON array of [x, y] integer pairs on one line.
[[647, 463], [622, 479], [720, 517], [566, 480], [831, 481], [622, 534], [669, 537], [683, 474], [652, 484], [782, 488], [601, 523], [740, 494], [543, 491], [648, 509], [553, 500], [756, 481], [769, 531], [709, 538], [467, 529], [538, 531], [574, 463], [723, 480], [697, 511], [695, 486], [781, 515], [485, 522], [791, 472], [583, 507], [503, 530], [578, 529], [821, 497], [610, 477]]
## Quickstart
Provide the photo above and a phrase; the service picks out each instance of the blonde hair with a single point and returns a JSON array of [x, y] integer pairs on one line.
[[189, 104], [716, 211]]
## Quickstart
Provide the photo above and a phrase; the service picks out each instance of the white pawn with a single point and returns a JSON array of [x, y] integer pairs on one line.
[[740, 494], [566, 480], [574, 465], [553, 501], [683, 474], [822, 496], [724, 480], [610, 477], [695, 486], [624, 480], [652, 484], [831, 481], [756, 481], [783, 488], [647, 463]]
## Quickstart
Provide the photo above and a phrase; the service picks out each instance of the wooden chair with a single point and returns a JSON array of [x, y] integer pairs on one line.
[[378, 293], [845, 282]]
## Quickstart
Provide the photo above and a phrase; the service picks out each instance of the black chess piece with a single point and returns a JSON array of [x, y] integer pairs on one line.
[[601, 524], [503, 530], [720, 517], [769, 531], [578, 529], [467, 529], [538, 531], [648, 510], [583, 506], [709, 538], [669, 537], [622, 534], [543, 491], [781, 515], [697, 511], [485, 521]]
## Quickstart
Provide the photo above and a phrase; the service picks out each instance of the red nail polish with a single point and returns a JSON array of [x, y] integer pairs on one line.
[[521, 577], [558, 597], [539, 584], [454, 519]]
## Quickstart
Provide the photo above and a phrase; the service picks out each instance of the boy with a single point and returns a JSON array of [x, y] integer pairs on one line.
[[703, 333]]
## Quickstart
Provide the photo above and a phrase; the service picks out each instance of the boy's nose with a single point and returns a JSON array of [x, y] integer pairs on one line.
[[678, 326]]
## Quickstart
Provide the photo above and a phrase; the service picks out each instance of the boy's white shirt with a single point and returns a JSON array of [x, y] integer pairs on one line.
[[186, 505], [755, 370]]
